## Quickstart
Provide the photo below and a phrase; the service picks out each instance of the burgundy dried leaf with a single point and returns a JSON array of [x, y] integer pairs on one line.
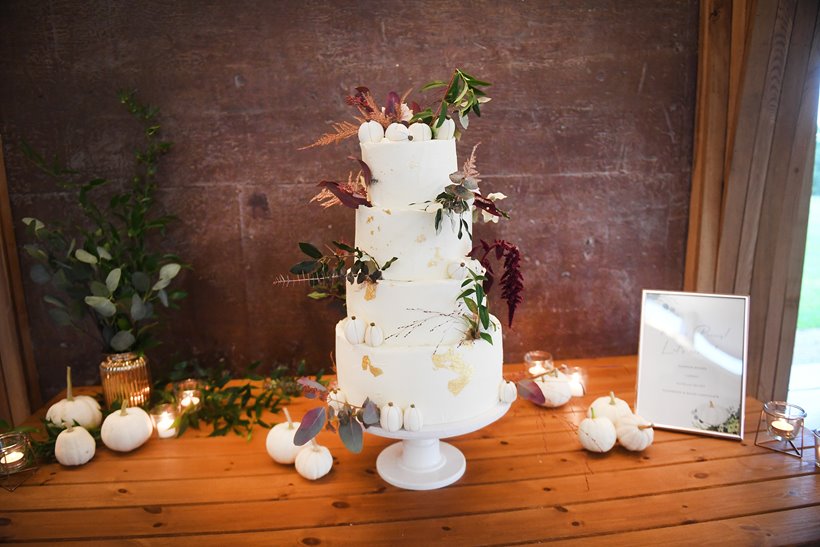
[[487, 205], [414, 106], [366, 172], [391, 108], [348, 199], [512, 282], [310, 426], [530, 391], [312, 389]]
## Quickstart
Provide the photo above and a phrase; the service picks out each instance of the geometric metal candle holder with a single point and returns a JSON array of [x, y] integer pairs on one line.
[[784, 427], [17, 460]]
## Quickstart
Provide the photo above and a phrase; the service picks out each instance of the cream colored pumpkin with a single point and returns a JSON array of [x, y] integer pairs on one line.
[[279, 443], [373, 336], [634, 433], [507, 392], [74, 446], [354, 330], [446, 131], [556, 389], [597, 434], [610, 407], [397, 132], [420, 132], [82, 409], [314, 461], [127, 429], [390, 417], [371, 131], [413, 420]]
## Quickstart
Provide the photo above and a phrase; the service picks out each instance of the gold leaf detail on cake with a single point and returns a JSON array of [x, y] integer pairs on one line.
[[453, 362], [388, 212], [368, 366], [369, 290], [421, 238], [370, 219]]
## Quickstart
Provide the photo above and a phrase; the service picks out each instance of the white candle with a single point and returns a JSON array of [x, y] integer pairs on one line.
[[12, 458], [782, 427], [576, 385], [189, 399], [537, 369], [165, 426]]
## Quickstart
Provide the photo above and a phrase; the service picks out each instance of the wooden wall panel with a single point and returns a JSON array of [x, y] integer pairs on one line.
[[589, 134]]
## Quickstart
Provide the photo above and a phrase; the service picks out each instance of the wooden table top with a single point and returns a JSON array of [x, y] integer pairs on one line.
[[527, 481]]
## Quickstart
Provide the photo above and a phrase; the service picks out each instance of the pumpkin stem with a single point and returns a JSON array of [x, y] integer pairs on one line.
[[592, 413], [68, 391], [123, 410], [287, 416], [612, 398], [647, 426]]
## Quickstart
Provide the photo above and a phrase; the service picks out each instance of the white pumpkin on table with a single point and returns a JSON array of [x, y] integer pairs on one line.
[[556, 389], [314, 461], [75, 409], [597, 433], [279, 442], [127, 429], [74, 446], [610, 407], [634, 433]]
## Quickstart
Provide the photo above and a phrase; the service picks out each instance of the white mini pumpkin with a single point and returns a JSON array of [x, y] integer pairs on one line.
[[81, 409], [74, 446], [556, 389], [420, 132], [597, 434], [314, 461], [127, 429], [634, 433], [413, 420], [373, 336], [397, 132], [390, 417], [279, 443], [507, 392], [371, 131], [446, 131], [354, 330], [610, 407]]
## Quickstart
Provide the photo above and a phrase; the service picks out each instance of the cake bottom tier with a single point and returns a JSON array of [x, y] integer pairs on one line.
[[447, 383]]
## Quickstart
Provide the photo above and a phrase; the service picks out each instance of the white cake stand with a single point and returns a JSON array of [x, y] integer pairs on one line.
[[421, 461]]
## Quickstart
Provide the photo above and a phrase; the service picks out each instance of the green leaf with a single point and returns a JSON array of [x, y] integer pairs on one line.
[[37, 224], [433, 85], [484, 315], [122, 341], [317, 295], [350, 431], [471, 305], [304, 267], [169, 271], [344, 247], [463, 119], [137, 308], [101, 305], [468, 292], [163, 297], [36, 252], [178, 295], [486, 336], [310, 250], [103, 253], [161, 284], [54, 301], [84, 256], [141, 281], [39, 274], [99, 289], [112, 281], [60, 316]]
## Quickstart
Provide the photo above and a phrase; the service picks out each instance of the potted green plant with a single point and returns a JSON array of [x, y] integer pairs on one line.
[[106, 267]]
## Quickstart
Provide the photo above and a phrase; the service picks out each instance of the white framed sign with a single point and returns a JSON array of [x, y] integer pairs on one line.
[[692, 362]]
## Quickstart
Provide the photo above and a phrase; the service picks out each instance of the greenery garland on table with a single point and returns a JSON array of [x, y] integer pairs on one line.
[[227, 407]]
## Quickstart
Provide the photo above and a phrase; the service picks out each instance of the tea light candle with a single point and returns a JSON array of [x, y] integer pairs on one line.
[[15, 452], [539, 361], [189, 399], [12, 460], [189, 394], [782, 427], [164, 417], [576, 384]]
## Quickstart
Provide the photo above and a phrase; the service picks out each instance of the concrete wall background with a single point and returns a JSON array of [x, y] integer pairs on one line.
[[589, 134]]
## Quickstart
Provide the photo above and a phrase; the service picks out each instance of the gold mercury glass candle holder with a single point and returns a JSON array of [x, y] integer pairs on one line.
[[189, 394], [17, 460], [783, 428], [125, 377]]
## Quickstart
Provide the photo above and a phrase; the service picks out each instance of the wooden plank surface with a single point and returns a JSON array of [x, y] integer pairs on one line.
[[527, 481]]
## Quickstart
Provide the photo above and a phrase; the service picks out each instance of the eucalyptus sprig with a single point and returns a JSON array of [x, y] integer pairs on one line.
[[325, 274], [462, 95]]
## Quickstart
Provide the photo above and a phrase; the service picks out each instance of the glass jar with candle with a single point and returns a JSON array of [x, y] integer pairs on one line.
[[164, 417], [15, 453], [784, 421], [538, 362], [188, 394]]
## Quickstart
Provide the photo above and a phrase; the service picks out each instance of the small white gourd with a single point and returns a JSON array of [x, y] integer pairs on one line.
[[420, 132], [507, 392], [397, 132], [354, 330], [74, 446], [597, 434], [446, 131], [127, 429], [373, 336], [371, 131], [610, 407], [390, 418], [413, 420], [314, 461], [556, 389], [279, 442], [81, 409], [634, 433]]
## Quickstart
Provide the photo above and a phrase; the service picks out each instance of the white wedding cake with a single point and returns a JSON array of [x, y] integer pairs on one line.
[[405, 339]]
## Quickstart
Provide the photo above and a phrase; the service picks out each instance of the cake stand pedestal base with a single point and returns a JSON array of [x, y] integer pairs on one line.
[[421, 461]]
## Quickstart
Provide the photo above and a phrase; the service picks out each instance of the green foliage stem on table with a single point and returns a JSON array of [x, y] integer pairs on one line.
[[107, 267]]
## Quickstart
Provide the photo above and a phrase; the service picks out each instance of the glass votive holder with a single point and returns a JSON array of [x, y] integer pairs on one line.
[[164, 417], [784, 421], [538, 361], [16, 453], [188, 394], [576, 380], [816, 433]]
